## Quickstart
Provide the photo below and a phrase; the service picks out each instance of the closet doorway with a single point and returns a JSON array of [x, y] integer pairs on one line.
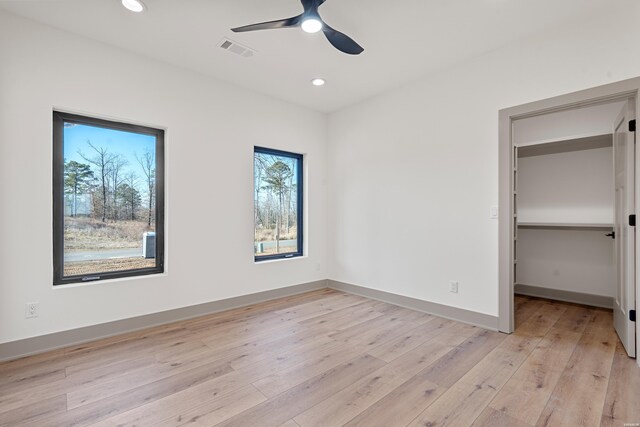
[[568, 191]]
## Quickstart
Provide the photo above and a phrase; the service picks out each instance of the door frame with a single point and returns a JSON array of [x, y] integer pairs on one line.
[[607, 93]]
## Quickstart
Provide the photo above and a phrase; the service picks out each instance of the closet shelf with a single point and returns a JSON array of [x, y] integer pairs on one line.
[[564, 145], [580, 225]]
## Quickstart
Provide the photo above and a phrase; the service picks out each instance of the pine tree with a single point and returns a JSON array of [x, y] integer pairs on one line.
[[276, 176], [130, 198], [77, 179]]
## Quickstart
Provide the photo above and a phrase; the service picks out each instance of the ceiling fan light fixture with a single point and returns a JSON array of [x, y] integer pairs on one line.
[[134, 5], [318, 82], [310, 25], [310, 22]]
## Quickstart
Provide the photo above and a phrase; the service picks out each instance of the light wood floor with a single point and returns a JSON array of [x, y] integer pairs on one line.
[[328, 358]]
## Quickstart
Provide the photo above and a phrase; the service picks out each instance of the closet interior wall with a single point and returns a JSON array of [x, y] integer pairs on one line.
[[564, 202]]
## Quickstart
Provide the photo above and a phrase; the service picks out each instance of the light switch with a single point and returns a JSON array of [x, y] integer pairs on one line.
[[493, 212]]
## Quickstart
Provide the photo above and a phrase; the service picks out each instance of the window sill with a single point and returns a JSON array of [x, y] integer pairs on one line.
[[109, 281], [269, 261]]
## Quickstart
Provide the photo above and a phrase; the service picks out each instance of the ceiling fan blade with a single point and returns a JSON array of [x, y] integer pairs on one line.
[[280, 23], [341, 41], [308, 4]]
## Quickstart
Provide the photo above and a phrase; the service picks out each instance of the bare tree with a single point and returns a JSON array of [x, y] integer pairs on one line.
[[148, 164], [260, 165], [288, 207], [115, 172], [103, 161]]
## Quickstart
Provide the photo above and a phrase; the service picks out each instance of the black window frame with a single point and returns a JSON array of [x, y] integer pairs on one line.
[[299, 200], [59, 119]]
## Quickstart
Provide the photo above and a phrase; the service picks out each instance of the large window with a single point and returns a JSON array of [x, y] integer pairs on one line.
[[278, 204], [108, 199]]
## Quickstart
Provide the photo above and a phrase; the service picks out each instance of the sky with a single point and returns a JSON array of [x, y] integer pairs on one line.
[[127, 144]]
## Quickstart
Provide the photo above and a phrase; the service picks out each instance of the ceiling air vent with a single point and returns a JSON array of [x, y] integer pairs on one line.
[[237, 48]]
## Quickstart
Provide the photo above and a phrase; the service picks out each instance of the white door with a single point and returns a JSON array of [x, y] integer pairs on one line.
[[624, 169]]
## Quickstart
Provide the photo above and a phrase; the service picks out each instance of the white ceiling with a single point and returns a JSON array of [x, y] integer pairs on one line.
[[403, 39]]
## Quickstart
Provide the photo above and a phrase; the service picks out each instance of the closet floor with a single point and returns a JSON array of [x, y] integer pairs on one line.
[[328, 358]]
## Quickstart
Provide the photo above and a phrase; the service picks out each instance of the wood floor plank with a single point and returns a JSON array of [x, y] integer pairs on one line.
[[414, 338], [283, 349], [35, 394], [526, 393], [298, 399], [175, 406], [138, 396], [26, 382], [146, 344], [624, 383], [469, 396], [328, 358], [575, 318], [94, 392], [29, 413], [581, 390], [449, 369], [323, 361], [576, 400], [320, 307], [344, 318], [219, 330], [600, 318], [542, 320], [46, 360], [351, 401], [276, 362], [217, 411], [525, 308], [379, 330], [254, 310], [401, 405], [494, 418]]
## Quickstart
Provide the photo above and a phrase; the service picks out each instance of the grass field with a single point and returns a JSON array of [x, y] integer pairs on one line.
[[82, 234], [100, 266], [269, 235]]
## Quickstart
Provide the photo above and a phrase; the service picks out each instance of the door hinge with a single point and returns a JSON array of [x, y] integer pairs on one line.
[[632, 220], [632, 315], [632, 125]]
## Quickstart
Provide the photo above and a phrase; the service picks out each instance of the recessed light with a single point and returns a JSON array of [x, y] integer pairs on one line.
[[134, 5], [310, 25], [318, 82]]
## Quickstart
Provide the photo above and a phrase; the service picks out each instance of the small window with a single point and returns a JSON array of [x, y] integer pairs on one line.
[[278, 204], [108, 199]]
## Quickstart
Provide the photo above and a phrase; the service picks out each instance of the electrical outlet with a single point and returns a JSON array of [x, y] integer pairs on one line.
[[31, 310], [453, 286]]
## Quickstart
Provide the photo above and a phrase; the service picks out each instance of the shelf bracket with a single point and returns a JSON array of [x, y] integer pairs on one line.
[[632, 125], [632, 220]]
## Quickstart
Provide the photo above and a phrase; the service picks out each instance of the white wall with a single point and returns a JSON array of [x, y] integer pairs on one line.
[[211, 130], [569, 124], [568, 260], [571, 187], [412, 173]]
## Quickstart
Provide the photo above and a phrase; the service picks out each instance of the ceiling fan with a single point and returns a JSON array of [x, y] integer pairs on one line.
[[310, 22]]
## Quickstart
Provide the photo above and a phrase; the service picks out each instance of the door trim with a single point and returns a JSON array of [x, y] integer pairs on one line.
[[607, 93]]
